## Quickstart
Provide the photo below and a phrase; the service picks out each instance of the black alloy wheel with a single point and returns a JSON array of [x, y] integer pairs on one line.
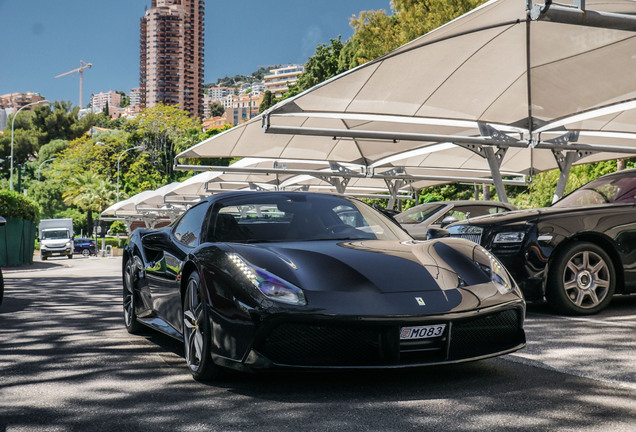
[[582, 280], [132, 274], [197, 332]]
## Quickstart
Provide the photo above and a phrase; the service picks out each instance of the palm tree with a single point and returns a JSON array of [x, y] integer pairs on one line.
[[90, 193]]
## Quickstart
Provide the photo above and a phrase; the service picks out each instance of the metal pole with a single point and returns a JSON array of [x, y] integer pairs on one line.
[[40, 167], [12, 124]]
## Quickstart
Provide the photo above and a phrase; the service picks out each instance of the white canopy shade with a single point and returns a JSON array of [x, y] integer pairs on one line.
[[508, 86]]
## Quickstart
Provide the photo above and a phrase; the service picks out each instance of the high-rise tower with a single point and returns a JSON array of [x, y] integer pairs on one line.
[[171, 54]]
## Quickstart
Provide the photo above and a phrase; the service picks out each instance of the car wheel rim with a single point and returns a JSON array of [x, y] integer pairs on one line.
[[193, 320], [86, 252], [586, 279], [129, 298]]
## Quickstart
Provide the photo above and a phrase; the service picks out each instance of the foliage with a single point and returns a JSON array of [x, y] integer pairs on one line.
[[324, 64], [139, 176], [158, 130], [125, 99], [118, 227], [16, 205], [216, 109], [48, 195], [268, 101], [377, 33], [91, 193], [237, 80], [47, 151], [35, 128]]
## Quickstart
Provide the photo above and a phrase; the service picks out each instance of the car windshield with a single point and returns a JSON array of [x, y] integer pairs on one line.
[[55, 235], [298, 217], [604, 190], [418, 214]]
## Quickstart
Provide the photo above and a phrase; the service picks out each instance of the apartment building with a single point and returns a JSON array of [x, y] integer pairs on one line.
[[101, 100], [12, 102], [242, 107], [171, 55], [18, 100], [135, 97], [218, 93], [279, 79]]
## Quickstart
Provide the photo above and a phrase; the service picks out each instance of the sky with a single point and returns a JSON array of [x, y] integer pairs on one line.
[[45, 38]]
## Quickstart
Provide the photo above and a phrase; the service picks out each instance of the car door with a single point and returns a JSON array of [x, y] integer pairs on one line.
[[163, 273]]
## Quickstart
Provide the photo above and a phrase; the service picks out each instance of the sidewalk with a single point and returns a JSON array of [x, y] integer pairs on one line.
[[36, 266]]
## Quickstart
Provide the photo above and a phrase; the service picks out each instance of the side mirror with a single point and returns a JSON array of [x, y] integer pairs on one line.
[[448, 220], [157, 240], [3, 221], [435, 233]]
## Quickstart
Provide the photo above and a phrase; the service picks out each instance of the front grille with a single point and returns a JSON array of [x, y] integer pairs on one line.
[[339, 345], [472, 237], [468, 232], [322, 345], [491, 333]]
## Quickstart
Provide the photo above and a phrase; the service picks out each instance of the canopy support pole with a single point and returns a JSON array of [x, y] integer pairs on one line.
[[565, 165], [565, 161], [494, 162], [578, 15], [394, 184]]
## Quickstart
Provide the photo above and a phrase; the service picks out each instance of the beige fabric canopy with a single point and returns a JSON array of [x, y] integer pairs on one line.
[[508, 86]]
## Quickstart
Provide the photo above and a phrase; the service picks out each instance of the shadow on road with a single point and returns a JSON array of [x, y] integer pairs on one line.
[[68, 364]]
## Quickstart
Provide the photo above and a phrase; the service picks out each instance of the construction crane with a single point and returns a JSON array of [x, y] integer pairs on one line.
[[81, 77]]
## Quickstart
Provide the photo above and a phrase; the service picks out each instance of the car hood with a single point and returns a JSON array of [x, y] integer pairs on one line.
[[369, 265], [530, 215]]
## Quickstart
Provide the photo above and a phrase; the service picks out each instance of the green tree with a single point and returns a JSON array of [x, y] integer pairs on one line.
[[157, 129], [268, 101], [377, 33], [48, 195], [216, 109], [324, 64], [90, 193]]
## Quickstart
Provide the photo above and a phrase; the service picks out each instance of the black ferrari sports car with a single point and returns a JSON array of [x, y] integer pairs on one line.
[[575, 254], [254, 280]]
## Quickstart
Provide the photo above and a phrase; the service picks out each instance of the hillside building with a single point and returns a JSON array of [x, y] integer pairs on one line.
[[279, 79]]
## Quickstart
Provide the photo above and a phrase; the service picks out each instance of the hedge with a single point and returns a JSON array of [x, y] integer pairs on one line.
[[16, 205]]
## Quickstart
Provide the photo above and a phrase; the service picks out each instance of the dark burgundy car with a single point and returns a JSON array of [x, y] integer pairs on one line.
[[577, 253]]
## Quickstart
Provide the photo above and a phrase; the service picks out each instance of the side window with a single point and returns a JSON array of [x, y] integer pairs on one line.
[[350, 215], [188, 229]]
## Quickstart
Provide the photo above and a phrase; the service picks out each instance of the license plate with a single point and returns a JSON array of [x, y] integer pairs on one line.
[[422, 332]]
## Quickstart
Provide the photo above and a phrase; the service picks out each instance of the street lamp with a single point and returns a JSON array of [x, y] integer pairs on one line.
[[118, 160], [40, 166], [12, 123]]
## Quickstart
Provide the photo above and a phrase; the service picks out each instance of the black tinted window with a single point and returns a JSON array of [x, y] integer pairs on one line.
[[188, 229]]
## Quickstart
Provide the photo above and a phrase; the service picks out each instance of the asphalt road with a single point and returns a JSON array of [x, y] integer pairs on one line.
[[67, 363]]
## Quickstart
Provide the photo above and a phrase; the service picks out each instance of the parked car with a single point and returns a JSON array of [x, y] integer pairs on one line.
[[255, 280], [418, 219], [575, 254], [84, 246]]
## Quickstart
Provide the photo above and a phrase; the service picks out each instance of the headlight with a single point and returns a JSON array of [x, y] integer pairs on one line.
[[498, 274], [509, 237], [68, 244], [269, 285]]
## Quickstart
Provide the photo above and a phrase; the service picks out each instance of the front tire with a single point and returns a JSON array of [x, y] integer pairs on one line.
[[582, 280], [132, 274], [197, 335]]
